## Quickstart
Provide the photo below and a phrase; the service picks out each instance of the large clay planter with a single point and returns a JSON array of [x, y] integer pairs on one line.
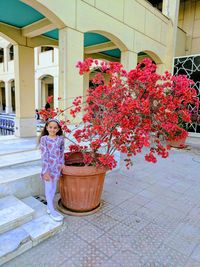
[[178, 143], [81, 187]]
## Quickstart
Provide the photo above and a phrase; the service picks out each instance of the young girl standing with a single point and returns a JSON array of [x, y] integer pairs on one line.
[[52, 155]]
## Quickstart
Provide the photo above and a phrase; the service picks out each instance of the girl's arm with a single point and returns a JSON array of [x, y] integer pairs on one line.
[[62, 149], [44, 156]]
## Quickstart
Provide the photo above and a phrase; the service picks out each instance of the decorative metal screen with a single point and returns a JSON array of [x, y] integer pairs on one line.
[[190, 66]]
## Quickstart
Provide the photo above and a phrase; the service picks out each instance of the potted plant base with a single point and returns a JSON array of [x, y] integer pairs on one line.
[[80, 187], [178, 143]]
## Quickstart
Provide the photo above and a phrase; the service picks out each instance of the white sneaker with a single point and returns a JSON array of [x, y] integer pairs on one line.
[[48, 211], [56, 216]]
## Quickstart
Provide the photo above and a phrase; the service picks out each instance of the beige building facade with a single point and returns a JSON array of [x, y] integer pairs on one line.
[[71, 30]]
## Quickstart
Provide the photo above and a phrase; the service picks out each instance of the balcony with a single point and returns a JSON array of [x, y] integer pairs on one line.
[[47, 58]]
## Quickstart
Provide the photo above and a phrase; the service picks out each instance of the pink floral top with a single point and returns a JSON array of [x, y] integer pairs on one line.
[[52, 155]]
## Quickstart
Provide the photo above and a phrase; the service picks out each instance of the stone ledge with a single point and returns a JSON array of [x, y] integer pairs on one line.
[[13, 213]]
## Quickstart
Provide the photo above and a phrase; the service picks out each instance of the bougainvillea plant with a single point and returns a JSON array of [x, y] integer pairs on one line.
[[127, 112]]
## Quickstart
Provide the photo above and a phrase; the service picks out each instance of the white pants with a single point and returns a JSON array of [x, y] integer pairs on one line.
[[50, 191]]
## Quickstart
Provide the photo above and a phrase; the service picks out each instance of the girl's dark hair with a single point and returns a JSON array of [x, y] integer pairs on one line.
[[45, 132]]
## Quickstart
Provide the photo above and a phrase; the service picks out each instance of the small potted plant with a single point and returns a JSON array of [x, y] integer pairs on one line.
[[125, 113]]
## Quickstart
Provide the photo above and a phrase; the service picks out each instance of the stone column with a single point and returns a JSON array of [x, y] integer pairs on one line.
[[5, 59], [129, 59], [71, 50], [1, 100], [171, 9], [8, 97], [56, 91], [43, 93], [38, 97], [25, 125]]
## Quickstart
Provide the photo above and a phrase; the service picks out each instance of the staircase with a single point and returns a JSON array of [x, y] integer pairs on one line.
[[23, 219], [23, 224], [20, 167]]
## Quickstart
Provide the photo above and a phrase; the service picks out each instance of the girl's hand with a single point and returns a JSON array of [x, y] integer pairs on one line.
[[47, 177], [62, 167]]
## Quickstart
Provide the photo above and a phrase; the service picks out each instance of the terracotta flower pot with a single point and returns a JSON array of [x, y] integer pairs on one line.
[[177, 143], [81, 187]]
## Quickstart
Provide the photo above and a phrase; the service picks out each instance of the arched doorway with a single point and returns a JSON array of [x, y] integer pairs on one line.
[[151, 55], [47, 89], [2, 97], [12, 82]]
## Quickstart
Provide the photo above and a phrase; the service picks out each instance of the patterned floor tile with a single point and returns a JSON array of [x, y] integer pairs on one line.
[[89, 257], [127, 258], [146, 214], [103, 222], [181, 244], [68, 263], [135, 223], [196, 253], [107, 245], [192, 263], [166, 257], [72, 222], [156, 232], [89, 232], [120, 231], [130, 206], [117, 213]]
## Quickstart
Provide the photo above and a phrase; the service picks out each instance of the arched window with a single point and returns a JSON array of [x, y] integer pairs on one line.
[[46, 48], [11, 53], [1, 55], [157, 4]]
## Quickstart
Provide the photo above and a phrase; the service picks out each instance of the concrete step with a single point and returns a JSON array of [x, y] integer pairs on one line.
[[21, 180], [16, 241], [19, 158], [13, 243], [13, 213], [14, 144]]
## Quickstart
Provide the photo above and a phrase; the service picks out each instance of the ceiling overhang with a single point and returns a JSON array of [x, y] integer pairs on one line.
[[38, 28]]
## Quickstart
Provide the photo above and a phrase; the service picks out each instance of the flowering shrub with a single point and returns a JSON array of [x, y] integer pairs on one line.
[[132, 110]]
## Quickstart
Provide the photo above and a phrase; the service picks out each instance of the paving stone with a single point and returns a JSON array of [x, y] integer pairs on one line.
[[115, 199], [73, 223], [148, 194], [107, 245], [103, 221], [141, 200], [121, 232], [68, 263], [127, 258], [155, 206], [192, 263], [130, 206], [188, 231], [117, 213], [135, 223], [110, 263], [196, 253], [146, 214], [166, 257], [166, 221], [181, 244], [89, 232], [89, 257]]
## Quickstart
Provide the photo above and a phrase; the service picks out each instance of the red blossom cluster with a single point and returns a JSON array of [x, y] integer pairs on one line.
[[130, 111]]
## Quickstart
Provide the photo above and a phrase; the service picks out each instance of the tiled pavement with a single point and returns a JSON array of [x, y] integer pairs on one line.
[[150, 217]]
